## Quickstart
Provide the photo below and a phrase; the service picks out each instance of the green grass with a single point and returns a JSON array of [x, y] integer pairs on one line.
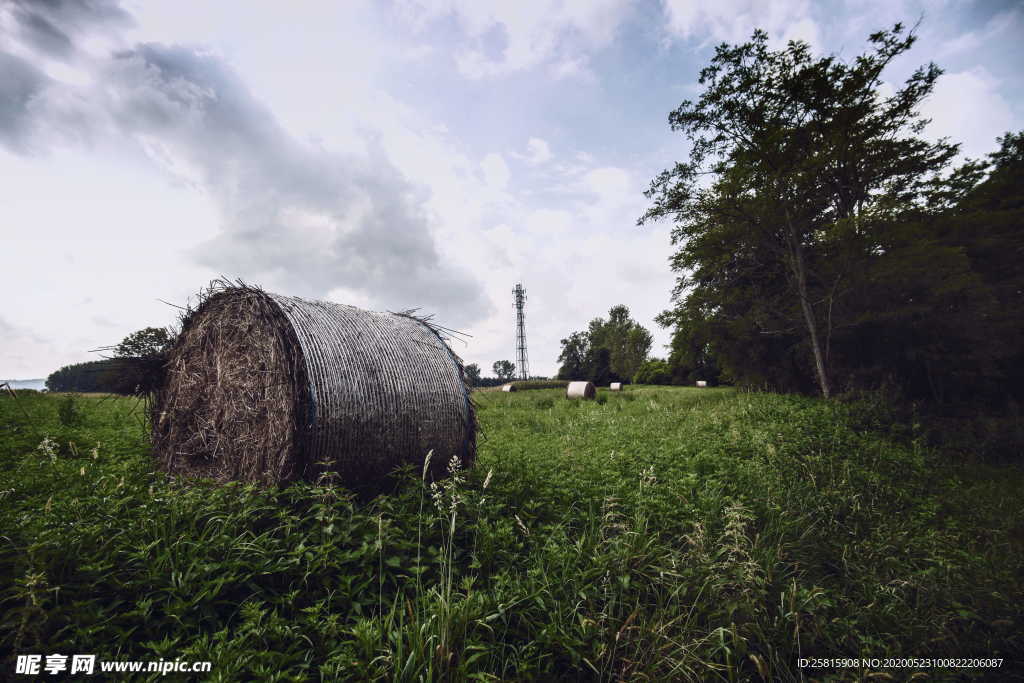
[[655, 534]]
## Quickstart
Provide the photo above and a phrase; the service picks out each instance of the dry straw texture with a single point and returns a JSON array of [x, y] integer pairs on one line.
[[266, 388], [580, 390]]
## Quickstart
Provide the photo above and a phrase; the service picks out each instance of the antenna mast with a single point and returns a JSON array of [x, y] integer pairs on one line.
[[522, 362]]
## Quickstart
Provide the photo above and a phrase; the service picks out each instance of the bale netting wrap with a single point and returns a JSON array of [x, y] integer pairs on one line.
[[580, 390], [268, 389]]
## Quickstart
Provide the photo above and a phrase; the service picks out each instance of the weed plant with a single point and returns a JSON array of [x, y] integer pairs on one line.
[[664, 534]]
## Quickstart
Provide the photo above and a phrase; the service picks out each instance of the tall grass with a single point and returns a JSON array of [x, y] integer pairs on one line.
[[665, 534]]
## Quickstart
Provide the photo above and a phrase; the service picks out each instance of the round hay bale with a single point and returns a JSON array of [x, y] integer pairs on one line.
[[583, 390], [508, 387], [615, 386], [701, 383], [268, 389]]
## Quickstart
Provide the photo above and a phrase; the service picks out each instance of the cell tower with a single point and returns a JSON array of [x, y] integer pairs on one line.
[[522, 361]]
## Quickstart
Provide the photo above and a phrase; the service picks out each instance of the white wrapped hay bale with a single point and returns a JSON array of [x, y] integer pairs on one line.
[[616, 386], [701, 383], [583, 390], [508, 387]]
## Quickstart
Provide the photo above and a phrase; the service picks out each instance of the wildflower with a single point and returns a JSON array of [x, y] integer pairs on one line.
[[647, 477], [48, 447], [436, 495]]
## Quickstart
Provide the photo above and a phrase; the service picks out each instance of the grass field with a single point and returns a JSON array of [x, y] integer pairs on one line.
[[654, 534]]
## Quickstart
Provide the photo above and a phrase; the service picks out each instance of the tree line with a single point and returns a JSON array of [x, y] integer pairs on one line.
[[135, 367]]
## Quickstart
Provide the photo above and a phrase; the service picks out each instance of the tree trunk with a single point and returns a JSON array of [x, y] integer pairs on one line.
[[800, 275], [819, 361]]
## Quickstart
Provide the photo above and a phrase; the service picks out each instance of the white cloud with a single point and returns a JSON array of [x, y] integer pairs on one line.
[[548, 223], [496, 172], [803, 29], [607, 182], [968, 107], [537, 151], [733, 21], [19, 350], [533, 31], [1008, 22], [574, 67]]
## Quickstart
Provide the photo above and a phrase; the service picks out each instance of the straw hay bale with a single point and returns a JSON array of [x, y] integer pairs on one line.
[[583, 390], [268, 389], [615, 386], [701, 383], [508, 387]]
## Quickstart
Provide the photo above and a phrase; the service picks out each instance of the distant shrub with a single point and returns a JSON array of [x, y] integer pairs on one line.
[[522, 385], [69, 412], [653, 372]]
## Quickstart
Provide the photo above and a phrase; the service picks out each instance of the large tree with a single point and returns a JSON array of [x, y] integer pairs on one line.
[[626, 340], [149, 341], [985, 228], [574, 357], [504, 369], [472, 371], [608, 350], [798, 166]]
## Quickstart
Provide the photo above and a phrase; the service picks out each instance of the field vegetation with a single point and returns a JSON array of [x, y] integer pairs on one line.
[[654, 534]]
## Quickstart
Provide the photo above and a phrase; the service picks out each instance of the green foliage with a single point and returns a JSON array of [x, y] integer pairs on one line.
[[666, 534], [137, 367], [986, 227], [150, 341], [654, 371], [601, 367], [68, 411], [504, 369], [626, 341], [522, 385], [98, 376], [814, 233], [608, 351], [472, 371], [575, 357]]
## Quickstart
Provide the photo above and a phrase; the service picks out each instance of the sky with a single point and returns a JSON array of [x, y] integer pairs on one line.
[[391, 154]]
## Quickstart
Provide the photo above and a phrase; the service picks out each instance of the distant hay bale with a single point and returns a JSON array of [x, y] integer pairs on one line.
[[580, 390], [508, 387], [615, 386], [268, 389], [701, 383]]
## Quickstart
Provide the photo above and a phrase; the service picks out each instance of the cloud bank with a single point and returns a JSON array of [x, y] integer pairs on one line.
[[292, 215]]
